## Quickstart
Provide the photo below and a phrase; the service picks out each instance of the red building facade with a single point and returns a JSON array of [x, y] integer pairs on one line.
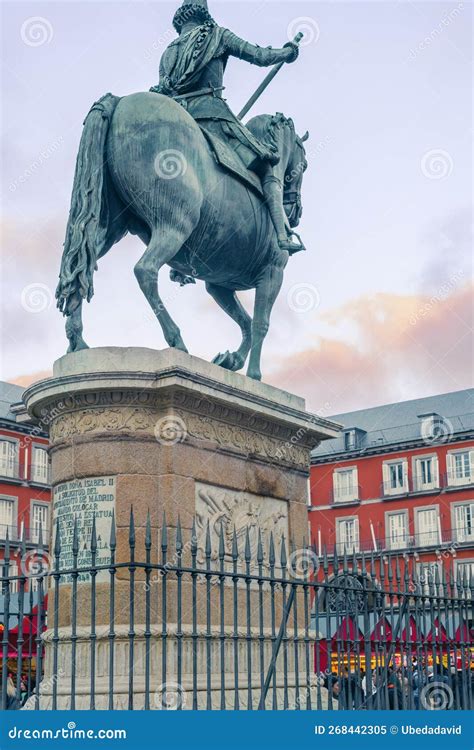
[[400, 479], [25, 493]]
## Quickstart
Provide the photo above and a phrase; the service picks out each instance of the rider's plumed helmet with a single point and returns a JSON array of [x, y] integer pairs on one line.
[[196, 12]]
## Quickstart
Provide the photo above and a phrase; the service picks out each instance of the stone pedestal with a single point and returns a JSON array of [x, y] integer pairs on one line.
[[166, 433]]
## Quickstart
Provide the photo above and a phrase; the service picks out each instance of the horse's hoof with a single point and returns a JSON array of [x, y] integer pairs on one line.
[[77, 346], [228, 360], [254, 374]]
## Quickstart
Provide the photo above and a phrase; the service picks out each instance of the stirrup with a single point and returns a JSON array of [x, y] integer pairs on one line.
[[292, 247]]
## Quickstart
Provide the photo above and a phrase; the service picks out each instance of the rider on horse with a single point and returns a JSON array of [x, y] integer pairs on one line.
[[192, 70]]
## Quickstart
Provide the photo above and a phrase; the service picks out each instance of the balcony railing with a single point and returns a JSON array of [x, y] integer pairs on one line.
[[40, 475], [414, 484], [16, 532], [456, 537], [17, 472], [350, 494], [10, 469]]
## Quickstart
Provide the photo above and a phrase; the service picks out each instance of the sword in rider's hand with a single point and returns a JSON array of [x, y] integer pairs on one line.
[[268, 78]]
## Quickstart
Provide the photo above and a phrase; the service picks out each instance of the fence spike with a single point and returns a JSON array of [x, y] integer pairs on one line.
[[271, 550], [208, 547], [75, 538], [325, 560], [23, 543], [247, 552], [93, 536], [194, 545], [131, 530], [389, 568], [179, 538], [148, 531], [57, 541], [221, 543], [164, 534], [283, 558], [259, 548], [345, 568], [113, 540], [7, 547], [235, 548]]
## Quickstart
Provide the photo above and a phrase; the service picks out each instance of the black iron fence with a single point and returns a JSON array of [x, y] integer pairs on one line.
[[210, 617]]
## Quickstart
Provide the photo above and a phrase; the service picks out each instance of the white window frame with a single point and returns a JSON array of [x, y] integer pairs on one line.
[[460, 563], [341, 543], [387, 489], [418, 486], [453, 480], [353, 493], [403, 544], [421, 537], [43, 476], [13, 527], [460, 536], [9, 466], [34, 534]]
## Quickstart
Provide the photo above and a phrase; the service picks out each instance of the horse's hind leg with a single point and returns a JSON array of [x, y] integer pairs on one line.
[[266, 293], [161, 249], [227, 300]]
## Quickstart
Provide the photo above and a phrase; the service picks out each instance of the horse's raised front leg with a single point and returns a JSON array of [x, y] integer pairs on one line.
[[162, 248], [74, 324], [266, 293], [227, 300]]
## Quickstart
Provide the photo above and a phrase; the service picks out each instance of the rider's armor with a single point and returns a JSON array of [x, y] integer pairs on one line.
[[192, 72]]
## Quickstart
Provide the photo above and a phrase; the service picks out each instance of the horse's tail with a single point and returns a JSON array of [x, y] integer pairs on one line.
[[88, 221]]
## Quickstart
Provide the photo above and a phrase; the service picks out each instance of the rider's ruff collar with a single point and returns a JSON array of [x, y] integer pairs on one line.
[[191, 12]]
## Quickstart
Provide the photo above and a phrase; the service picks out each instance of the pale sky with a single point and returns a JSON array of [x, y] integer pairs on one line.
[[379, 308]]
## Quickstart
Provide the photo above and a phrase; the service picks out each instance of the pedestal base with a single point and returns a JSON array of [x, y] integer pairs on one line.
[[169, 435]]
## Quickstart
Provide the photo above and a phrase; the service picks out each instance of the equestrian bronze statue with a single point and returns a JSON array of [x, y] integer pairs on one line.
[[210, 197]]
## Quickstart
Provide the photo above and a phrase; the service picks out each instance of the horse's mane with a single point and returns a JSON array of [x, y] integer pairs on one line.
[[265, 127]]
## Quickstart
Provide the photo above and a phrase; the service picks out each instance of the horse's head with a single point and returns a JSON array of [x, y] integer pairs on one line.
[[295, 169], [278, 132]]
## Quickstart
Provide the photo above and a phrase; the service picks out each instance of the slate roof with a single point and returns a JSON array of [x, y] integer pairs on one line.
[[392, 424], [9, 394]]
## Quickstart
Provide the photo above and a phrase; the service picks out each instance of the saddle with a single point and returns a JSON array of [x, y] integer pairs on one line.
[[227, 158]]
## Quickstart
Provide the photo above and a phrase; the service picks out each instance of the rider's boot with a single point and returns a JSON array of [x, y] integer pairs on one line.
[[272, 191]]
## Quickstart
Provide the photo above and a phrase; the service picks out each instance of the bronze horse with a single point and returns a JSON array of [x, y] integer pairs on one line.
[[145, 167]]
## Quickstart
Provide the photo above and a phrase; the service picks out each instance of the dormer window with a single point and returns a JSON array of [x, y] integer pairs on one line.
[[352, 439], [434, 428]]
